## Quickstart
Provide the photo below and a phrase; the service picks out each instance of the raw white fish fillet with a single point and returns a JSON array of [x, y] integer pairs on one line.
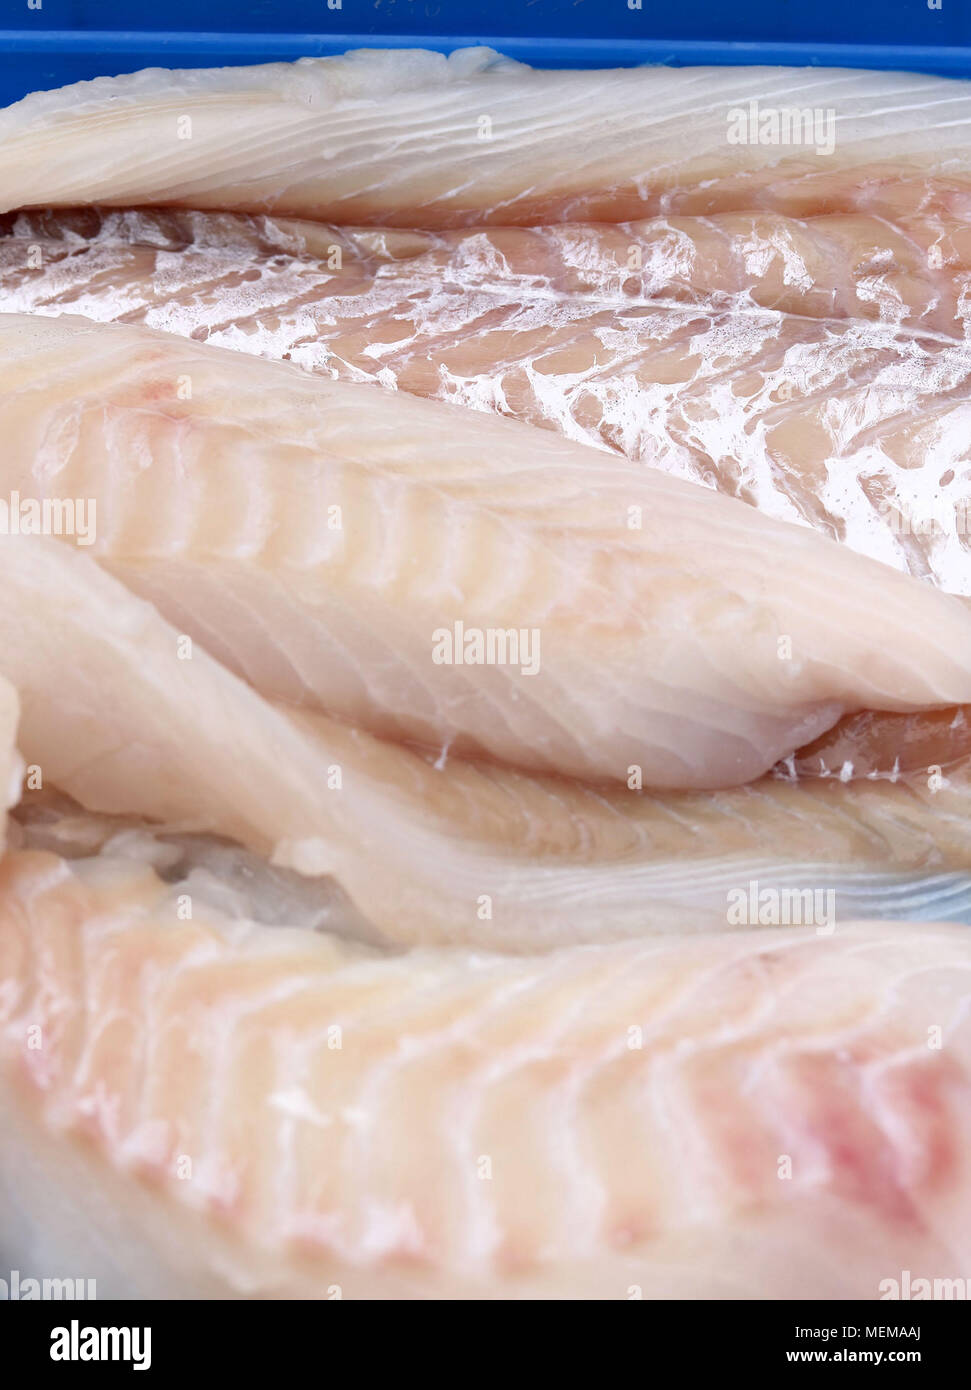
[[330, 969], [215, 1107], [414, 138], [123, 713], [816, 369], [296, 286], [117, 717], [467, 583]]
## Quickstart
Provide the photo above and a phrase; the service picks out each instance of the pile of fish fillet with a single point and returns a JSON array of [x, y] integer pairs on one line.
[[329, 969]]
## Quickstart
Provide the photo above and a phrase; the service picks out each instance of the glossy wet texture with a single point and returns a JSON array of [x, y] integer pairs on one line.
[[604, 1117], [458, 856], [816, 369]]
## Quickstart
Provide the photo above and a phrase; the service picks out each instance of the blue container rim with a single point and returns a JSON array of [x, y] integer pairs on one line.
[[223, 48]]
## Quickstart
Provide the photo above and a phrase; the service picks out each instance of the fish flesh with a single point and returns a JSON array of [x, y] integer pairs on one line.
[[119, 713], [816, 369], [214, 1107], [448, 857], [226, 277], [567, 863], [466, 583], [417, 139], [879, 745]]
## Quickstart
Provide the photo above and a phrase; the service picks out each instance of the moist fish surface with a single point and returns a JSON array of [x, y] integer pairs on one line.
[[122, 716], [816, 369], [225, 276], [465, 583], [340, 960], [214, 1107], [418, 139]]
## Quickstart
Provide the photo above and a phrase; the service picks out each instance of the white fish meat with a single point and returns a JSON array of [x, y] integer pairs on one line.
[[605, 1122], [404, 783], [414, 138], [119, 717], [469, 584], [816, 369], [325, 293]]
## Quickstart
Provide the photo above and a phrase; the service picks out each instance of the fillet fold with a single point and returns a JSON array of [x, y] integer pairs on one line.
[[125, 717], [465, 583]]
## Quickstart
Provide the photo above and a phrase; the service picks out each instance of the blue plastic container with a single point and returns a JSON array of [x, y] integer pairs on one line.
[[45, 43]]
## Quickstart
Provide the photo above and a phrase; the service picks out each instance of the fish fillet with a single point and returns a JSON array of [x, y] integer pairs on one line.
[[226, 277], [466, 583], [816, 369], [339, 959], [414, 138], [119, 716], [213, 1106]]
